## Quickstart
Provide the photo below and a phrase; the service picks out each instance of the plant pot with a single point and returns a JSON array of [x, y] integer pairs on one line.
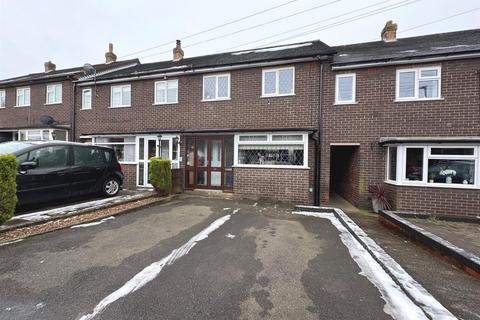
[[448, 179], [377, 205]]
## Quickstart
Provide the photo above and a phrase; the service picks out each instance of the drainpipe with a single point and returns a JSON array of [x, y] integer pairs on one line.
[[318, 144], [73, 114]]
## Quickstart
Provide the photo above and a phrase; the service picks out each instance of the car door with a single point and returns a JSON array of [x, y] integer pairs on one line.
[[49, 179], [88, 168]]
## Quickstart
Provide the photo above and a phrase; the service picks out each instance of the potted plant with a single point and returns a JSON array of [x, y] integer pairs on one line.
[[448, 173], [379, 198]]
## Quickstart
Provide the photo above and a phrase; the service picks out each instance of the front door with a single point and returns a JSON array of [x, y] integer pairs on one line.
[[206, 162], [147, 149]]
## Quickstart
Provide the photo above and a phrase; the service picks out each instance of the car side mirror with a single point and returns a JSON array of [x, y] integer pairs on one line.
[[25, 166]]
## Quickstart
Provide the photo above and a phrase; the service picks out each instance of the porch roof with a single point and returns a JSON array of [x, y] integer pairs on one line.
[[399, 140]]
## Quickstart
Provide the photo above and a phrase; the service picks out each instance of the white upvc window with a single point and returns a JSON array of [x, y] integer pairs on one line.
[[54, 93], [23, 97], [345, 88], [2, 99], [216, 87], [120, 96], [166, 92], [86, 99], [271, 150], [442, 165], [278, 82], [124, 147], [41, 135], [419, 84]]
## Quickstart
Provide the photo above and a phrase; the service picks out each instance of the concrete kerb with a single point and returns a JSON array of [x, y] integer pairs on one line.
[[415, 291], [4, 229], [463, 259]]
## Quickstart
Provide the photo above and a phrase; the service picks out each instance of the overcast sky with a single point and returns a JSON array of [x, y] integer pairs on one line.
[[71, 33]]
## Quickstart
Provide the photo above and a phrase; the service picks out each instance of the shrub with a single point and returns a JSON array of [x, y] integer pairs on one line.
[[161, 175], [379, 197], [8, 186]]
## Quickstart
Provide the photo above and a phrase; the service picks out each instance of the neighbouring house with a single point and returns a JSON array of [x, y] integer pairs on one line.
[[242, 122], [406, 113], [38, 106], [293, 123]]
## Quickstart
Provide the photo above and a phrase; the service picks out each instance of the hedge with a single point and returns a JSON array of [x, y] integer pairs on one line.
[[8, 186], [161, 175]]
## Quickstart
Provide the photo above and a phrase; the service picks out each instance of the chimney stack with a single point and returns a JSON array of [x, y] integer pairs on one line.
[[389, 32], [110, 56], [49, 66], [178, 52]]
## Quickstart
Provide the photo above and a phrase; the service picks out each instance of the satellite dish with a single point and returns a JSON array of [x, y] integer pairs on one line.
[[88, 69], [47, 120]]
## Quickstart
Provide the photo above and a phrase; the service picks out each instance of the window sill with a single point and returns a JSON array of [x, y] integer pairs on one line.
[[119, 107], [214, 100], [163, 104], [434, 185], [52, 104], [22, 106], [418, 100], [266, 166], [85, 109], [277, 95], [338, 103]]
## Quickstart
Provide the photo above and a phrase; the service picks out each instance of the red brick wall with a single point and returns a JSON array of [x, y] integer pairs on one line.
[[285, 185], [130, 173], [12, 117], [377, 115], [245, 110], [436, 200]]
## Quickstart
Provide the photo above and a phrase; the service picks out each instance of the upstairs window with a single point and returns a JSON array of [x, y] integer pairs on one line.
[[120, 96], [166, 92], [216, 87], [345, 88], [418, 84], [23, 97], [278, 82], [54, 93], [86, 99], [2, 98]]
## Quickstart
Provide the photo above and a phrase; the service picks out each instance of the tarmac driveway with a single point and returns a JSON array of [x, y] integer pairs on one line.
[[260, 262]]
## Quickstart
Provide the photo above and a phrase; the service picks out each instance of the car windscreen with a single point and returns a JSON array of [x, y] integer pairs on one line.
[[11, 147]]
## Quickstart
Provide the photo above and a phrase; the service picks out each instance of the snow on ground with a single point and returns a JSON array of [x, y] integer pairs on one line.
[[153, 270], [90, 224], [230, 236], [10, 242], [397, 303], [45, 214]]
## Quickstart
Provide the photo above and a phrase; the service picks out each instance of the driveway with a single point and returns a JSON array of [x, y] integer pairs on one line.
[[193, 258]]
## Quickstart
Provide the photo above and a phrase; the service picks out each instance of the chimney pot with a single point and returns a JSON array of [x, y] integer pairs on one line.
[[177, 51], [389, 32], [49, 66], [110, 56]]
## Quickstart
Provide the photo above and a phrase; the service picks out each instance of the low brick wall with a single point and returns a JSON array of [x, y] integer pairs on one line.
[[130, 172], [435, 200], [286, 185]]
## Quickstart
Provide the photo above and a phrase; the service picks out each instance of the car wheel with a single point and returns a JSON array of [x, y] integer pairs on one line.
[[110, 187]]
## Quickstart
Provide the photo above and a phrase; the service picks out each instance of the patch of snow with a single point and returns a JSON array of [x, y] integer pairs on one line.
[[235, 211], [40, 305], [409, 51], [45, 214], [10, 242], [291, 46], [42, 261], [153, 270], [90, 224], [255, 204], [343, 55], [230, 236], [225, 209], [415, 290], [452, 47]]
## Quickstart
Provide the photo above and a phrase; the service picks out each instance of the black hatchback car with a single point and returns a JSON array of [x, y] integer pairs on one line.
[[50, 171]]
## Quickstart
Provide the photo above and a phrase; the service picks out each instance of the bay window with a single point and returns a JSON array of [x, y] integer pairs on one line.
[[418, 84], [271, 150], [434, 165]]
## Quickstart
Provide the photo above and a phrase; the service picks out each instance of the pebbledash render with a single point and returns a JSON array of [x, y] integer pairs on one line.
[[297, 123]]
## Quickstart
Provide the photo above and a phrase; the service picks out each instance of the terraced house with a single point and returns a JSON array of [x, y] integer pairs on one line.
[[293, 123]]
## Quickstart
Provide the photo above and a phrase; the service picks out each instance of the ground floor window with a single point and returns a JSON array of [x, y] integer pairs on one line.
[[434, 165], [124, 147], [271, 150], [40, 135]]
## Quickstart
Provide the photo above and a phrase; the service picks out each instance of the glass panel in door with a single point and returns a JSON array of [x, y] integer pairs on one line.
[[216, 163], [202, 153]]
